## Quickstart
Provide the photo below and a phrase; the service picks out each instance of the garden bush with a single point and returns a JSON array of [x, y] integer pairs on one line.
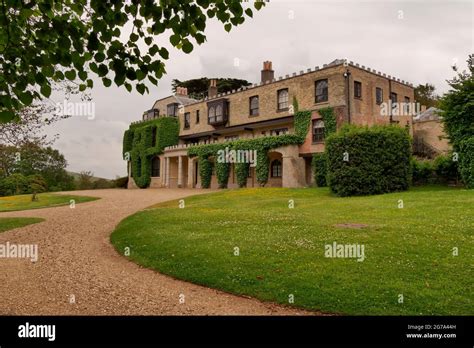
[[422, 171], [319, 166], [14, 184], [121, 182], [466, 161], [365, 161], [446, 168]]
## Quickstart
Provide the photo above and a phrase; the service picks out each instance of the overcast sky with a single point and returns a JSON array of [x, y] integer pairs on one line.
[[416, 41]]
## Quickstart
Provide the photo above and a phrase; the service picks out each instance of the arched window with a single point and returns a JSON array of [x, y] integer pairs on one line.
[[155, 166], [219, 113], [276, 169]]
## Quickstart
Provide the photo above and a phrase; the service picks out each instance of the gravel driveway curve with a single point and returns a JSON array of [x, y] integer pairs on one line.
[[77, 261]]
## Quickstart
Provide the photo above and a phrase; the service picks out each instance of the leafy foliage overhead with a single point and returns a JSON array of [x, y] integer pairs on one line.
[[46, 41]]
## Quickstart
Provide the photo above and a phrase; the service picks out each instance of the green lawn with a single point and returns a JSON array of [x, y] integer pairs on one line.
[[23, 202], [408, 251], [11, 223]]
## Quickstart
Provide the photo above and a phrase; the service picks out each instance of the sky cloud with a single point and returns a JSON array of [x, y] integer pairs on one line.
[[416, 41]]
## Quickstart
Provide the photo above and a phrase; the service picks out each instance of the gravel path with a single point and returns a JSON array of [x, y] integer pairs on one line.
[[77, 261]]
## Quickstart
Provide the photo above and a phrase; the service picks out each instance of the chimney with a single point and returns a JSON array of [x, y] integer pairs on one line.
[[183, 91], [267, 73], [212, 92]]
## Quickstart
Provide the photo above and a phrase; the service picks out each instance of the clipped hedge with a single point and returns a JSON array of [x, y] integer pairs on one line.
[[319, 167], [466, 162], [302, 120], [139, 144], [366, 161]]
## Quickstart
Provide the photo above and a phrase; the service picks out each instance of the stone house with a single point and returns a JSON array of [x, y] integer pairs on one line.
[[358, 95], [428, 134]]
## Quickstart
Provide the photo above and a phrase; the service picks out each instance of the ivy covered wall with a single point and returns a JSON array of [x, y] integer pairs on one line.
[[144, 140], [302, 121]]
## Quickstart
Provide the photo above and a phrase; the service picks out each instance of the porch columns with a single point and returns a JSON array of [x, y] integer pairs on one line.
[[191, 172], [180, 171], [167, 174]]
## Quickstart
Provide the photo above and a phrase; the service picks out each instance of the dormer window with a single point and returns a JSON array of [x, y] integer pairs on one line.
[[217, 113]]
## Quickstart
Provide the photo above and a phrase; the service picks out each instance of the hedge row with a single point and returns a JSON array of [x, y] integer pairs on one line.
[[443, 169], [466, 161], [365, 161]]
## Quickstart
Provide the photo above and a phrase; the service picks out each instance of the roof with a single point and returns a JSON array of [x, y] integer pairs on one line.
[[431, 114], [336, 62]]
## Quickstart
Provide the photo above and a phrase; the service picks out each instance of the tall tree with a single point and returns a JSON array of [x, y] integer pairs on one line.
[[425, 95], [457, 105], [46, 41], [198, 88]]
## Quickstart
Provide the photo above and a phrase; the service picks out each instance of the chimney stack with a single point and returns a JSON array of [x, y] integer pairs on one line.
[[267, 73], [183, 91], [212, 92]]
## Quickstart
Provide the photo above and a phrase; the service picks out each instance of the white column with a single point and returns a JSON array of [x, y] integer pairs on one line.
[[180, 171], [190, 172], [167, 175]]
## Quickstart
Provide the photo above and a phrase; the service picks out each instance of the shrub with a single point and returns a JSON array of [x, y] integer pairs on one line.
[[319, 166], [466, 161], [121, 182], [422, 171], [364, 161], [14, 184], [36, 184], [446, 168]]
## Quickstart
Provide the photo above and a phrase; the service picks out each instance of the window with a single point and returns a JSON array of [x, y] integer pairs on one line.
[[357, 90], [217, 112], [321, 91], [197, 116], [394, 99], [276, 169], [155, 166], [378, 95], [187, 120], [172, 109], [253, 102], [406, 107], [318, 131], [279, 131], [282, 99]]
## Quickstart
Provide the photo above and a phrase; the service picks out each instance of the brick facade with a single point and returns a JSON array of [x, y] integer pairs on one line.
[[349, 107]]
